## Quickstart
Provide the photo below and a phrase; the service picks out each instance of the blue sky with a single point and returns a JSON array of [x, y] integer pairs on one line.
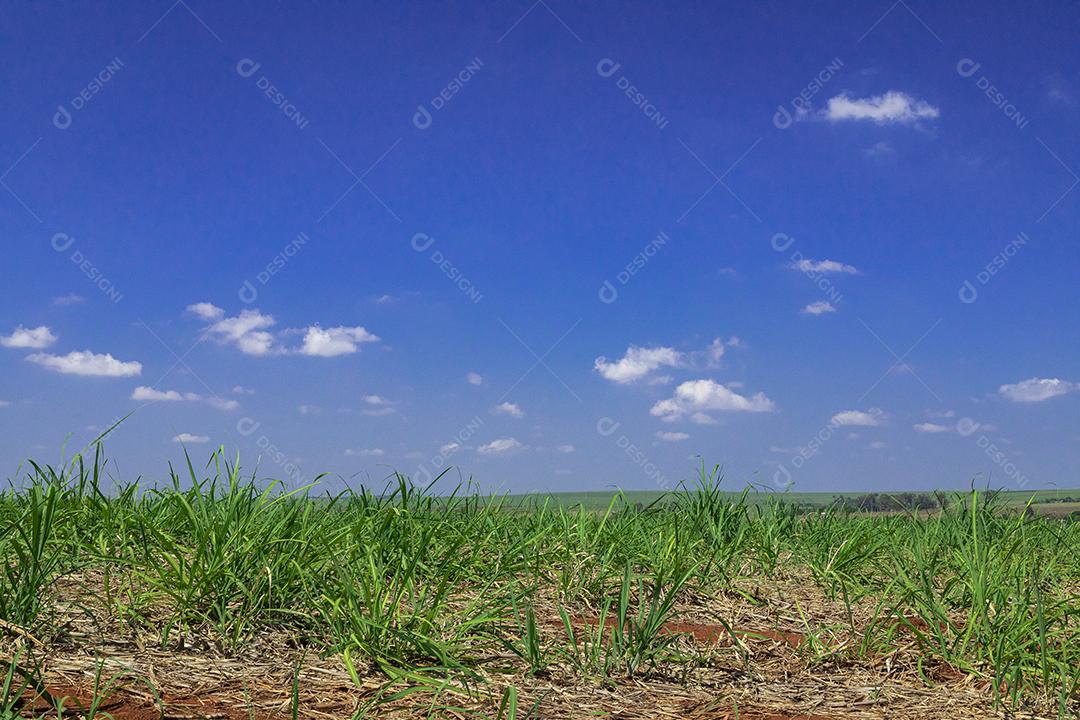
[[555, 246]]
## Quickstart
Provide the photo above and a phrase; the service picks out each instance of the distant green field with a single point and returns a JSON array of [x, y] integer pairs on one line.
[[601, 499]]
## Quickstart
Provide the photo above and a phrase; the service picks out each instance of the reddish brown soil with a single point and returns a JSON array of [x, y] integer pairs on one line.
[[710, 633], [121, 704]]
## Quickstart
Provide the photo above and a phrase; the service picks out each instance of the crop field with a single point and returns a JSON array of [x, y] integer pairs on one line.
[[217, 594]]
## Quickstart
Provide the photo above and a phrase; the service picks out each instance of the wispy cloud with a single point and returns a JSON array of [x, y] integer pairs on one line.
[[189, 438], [378, 406], [499, 446], [85, 362], [509, 408], [859, 418], [821, 307], [892, 107], [144, 393], [672, 436], [1037, 389], [250, 332], [68, 299], [823, 267], [30, 338]]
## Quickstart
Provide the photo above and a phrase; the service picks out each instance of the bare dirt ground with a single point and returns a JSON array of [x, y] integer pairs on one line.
[[776, 650]]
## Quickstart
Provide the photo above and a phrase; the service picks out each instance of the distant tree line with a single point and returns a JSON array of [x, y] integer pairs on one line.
[[887, 502]]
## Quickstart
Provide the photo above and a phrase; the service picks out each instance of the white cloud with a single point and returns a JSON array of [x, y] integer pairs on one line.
[[499, 446], [385, 299], [509, 408], [821, 307], [474, 378], [149, 394], [33, 338], [637, 363], [247, 331], [892, 107], [335, 341], [1037, 389], [700, 418], [241, 390], [871, 418], [144, 393], [880, 149], [929, 427], [715, 352], [189, 438], [566, 449], [309, 409], [672, 436], [206, 311], [449, 448], [84, 362], [380, 406], [696, 396], [366, 452], [824, 267], [69, 299]]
